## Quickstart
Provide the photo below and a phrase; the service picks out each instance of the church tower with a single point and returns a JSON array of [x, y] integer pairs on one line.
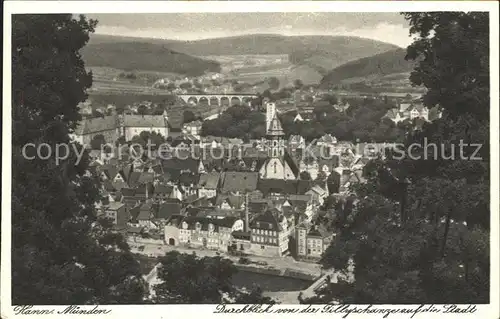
[[276, 166], [275, 137], [270, 112]]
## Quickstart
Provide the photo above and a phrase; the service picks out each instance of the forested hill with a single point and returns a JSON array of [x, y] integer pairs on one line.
[[319, 52], [277, 44], [377, 65], [148, 56], [322, 53]]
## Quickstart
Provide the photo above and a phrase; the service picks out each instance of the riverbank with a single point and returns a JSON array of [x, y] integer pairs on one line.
[[288, 273], [283, 266]]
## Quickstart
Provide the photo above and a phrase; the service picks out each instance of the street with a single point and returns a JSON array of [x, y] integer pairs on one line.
[[155, 250]]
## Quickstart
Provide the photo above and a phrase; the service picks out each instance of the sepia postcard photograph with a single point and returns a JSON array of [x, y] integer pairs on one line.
[[259, 158]]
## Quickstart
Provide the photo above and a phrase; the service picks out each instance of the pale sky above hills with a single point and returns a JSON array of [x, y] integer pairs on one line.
[[387, 27]]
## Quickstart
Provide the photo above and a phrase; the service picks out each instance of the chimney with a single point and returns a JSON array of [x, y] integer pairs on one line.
[[246, 213]]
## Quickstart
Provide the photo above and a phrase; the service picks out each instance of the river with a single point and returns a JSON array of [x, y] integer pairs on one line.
[[269, 283]]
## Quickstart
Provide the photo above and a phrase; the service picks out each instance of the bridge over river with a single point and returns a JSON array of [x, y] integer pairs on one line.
[[226, 99]]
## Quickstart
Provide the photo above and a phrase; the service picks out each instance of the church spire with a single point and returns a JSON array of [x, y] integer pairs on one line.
[[275, 128]]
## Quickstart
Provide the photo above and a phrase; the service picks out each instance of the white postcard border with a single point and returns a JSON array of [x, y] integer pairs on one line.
[[179, 311]]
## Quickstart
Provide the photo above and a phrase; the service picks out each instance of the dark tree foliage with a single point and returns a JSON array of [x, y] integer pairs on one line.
[[96, 113], [188, 279], [185, 85], [61, 254], [121, 141], [142, 110], [274, 83], [97, 142], [188, 116], [362, 122], [155, 140], [238, 121], [424, 223], [333, 182], [455, 64], [298, 84], [305, 176]]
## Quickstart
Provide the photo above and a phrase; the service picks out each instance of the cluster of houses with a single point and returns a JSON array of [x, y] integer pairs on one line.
[[411, 111], [248, 199]]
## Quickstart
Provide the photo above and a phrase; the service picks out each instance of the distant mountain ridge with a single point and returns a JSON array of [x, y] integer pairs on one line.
[[379, 65], [141, 54], [321, 53]]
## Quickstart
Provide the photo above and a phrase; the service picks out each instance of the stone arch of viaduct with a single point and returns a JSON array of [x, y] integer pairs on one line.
[[217, 99]]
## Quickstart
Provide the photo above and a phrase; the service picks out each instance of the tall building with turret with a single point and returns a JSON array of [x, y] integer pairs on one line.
[[279, 165], [270, 112]]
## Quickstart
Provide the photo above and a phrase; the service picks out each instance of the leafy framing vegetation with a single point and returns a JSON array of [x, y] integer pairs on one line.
[[422, 224], [61, 252]]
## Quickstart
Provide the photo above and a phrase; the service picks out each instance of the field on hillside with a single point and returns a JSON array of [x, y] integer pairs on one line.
[[286, 74], [396, 82], [113, 80], [255, 68], [378, 78]]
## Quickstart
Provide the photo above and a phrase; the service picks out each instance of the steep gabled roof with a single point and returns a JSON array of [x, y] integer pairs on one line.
[[319, 231], [240, 181], [292, 164], [187, 179], [134, 212], [163, 189], [267, 186], [145, 177], [209, 180], [108, 186], [119, 185], [127, 192], [267, 221], [233, 200], [165, 210], [96, 125], [133, 179], [189, 164], [143, 121]]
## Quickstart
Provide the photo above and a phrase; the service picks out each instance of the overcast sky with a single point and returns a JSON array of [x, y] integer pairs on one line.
[[387, 27]]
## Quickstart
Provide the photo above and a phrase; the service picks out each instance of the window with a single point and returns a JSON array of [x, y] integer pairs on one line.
[[308, 251], [262, 247], [275, 168]]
